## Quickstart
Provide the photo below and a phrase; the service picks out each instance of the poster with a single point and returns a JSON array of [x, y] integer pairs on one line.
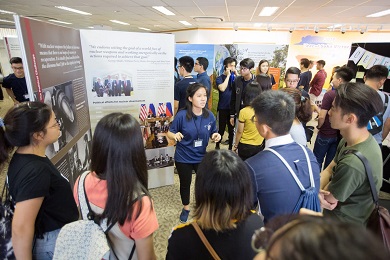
[[12, 46], [54, 69], [134, 74]]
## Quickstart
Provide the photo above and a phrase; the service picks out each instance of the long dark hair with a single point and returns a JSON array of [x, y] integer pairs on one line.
[[192, 88], [223, 191], [118, 156], [20, 123], [303, 109], [252, 90]]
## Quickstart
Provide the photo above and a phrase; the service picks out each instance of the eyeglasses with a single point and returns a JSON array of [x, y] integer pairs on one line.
[[17, 68], [243, 68], [57, 124], [253, 119], [292, 81]]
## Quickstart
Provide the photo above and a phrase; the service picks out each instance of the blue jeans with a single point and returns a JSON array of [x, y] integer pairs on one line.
[[325, 146], [43, 249]]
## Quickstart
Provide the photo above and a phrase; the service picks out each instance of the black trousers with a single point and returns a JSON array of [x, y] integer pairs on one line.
[[224, 119], [1, 93], [246, 151], [185, 176]]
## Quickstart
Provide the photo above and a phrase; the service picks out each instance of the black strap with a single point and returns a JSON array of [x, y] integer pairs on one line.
[[370, 177], [386, 103]]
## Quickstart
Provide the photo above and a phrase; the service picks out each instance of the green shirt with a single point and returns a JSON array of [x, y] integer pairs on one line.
[[349, 184]]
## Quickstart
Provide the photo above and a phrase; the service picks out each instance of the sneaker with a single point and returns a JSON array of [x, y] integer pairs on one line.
[[184, 215]]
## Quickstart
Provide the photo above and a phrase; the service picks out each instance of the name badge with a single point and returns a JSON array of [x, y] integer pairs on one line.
[[198, 143]]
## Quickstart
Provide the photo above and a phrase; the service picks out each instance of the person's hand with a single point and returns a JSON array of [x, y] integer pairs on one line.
[[227, 72], [234, 149], [232, 121], [178, 136], [216, 137], [326, 201]]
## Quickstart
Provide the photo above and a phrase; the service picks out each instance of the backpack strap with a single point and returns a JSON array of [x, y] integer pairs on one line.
[[312, 184], [386, 103]]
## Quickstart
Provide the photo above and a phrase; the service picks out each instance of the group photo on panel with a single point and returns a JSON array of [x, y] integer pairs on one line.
[[278, 164]]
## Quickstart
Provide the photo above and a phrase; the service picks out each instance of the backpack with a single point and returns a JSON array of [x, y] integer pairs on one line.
[[375, 124], [6, 215], [86, 238], [309, 197]]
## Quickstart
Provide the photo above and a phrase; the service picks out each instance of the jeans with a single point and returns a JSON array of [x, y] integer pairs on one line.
[[325, 146], [44, 248]]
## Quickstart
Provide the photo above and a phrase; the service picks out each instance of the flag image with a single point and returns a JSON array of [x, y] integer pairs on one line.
[[152, 110], [143, 113], [168, 109], [161, 110]]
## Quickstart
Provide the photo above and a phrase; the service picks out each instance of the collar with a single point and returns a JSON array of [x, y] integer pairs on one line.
[[280, 140], [202, 74]]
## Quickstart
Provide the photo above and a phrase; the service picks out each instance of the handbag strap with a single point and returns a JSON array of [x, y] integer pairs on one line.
[[205, 241], [368, 169], [312, 184]]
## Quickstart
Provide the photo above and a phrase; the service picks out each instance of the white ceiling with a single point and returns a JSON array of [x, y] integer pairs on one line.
[[296, 14]]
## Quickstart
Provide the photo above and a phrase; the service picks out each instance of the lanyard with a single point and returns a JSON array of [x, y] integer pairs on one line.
[[197, 129]]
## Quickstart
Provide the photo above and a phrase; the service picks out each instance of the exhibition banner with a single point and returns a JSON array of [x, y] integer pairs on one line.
[[54, 69], [133, 73], [12, 46]]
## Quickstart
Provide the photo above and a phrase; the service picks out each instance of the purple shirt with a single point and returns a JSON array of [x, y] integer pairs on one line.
[[326, 130]]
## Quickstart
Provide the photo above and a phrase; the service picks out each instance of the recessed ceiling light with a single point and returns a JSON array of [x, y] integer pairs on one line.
[[6, 21], [334, 26], [185, 23], [163, 10], [72, 10], [379, 14], [58, 21], [143, 28], [6, 12], [268, 11], [116, 21]]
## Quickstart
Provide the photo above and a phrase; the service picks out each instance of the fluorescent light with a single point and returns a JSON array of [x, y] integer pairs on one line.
[[268, 11], [72, 10], [6, 12], [116, 21], [185, 23], [143, 28], [163, 10], [91, 27], [379, 14], [57, 21], [6, 21], [334, 26]]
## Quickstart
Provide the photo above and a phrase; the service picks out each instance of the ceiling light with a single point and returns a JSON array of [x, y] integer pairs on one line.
[[269, 28], [258, 24], [58, 21], [379, 14], [316, 29], [72, 10], [185, 23], [143, 28], [163, 10], [6, 12], [268, 11], [6, 21], [334, 26], [91, 27], [116, 21]]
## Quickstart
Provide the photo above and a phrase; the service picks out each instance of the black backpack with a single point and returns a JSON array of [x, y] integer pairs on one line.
[[375, 124]]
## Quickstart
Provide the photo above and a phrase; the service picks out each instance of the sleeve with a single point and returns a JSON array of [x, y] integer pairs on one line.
[[233, 99], [327, 101], [387, 111], [76, 192], [254, 184], [176, 94], [213, 124], [219, 81], [176, 125], [242, 115], [347, 178], [145, 224], [35, 183], [6, 82]]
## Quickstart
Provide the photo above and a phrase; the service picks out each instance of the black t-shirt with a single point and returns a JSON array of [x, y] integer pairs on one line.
[[18, 86], [185, 243], [31, 176]]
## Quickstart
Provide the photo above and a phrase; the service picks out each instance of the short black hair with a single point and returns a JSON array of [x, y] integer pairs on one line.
[[305, 62], [322, 62], [187, 62], [293, 70], [204, 62], [358, 99], [275, 109], [15, 60], [247, 63], [345, 73], [229, 60], [377, 72]]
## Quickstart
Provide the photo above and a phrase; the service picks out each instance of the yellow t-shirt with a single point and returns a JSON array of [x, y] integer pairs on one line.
[[250, 134]]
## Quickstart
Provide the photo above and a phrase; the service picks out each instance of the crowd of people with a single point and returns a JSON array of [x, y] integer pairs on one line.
[[267, 172]]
